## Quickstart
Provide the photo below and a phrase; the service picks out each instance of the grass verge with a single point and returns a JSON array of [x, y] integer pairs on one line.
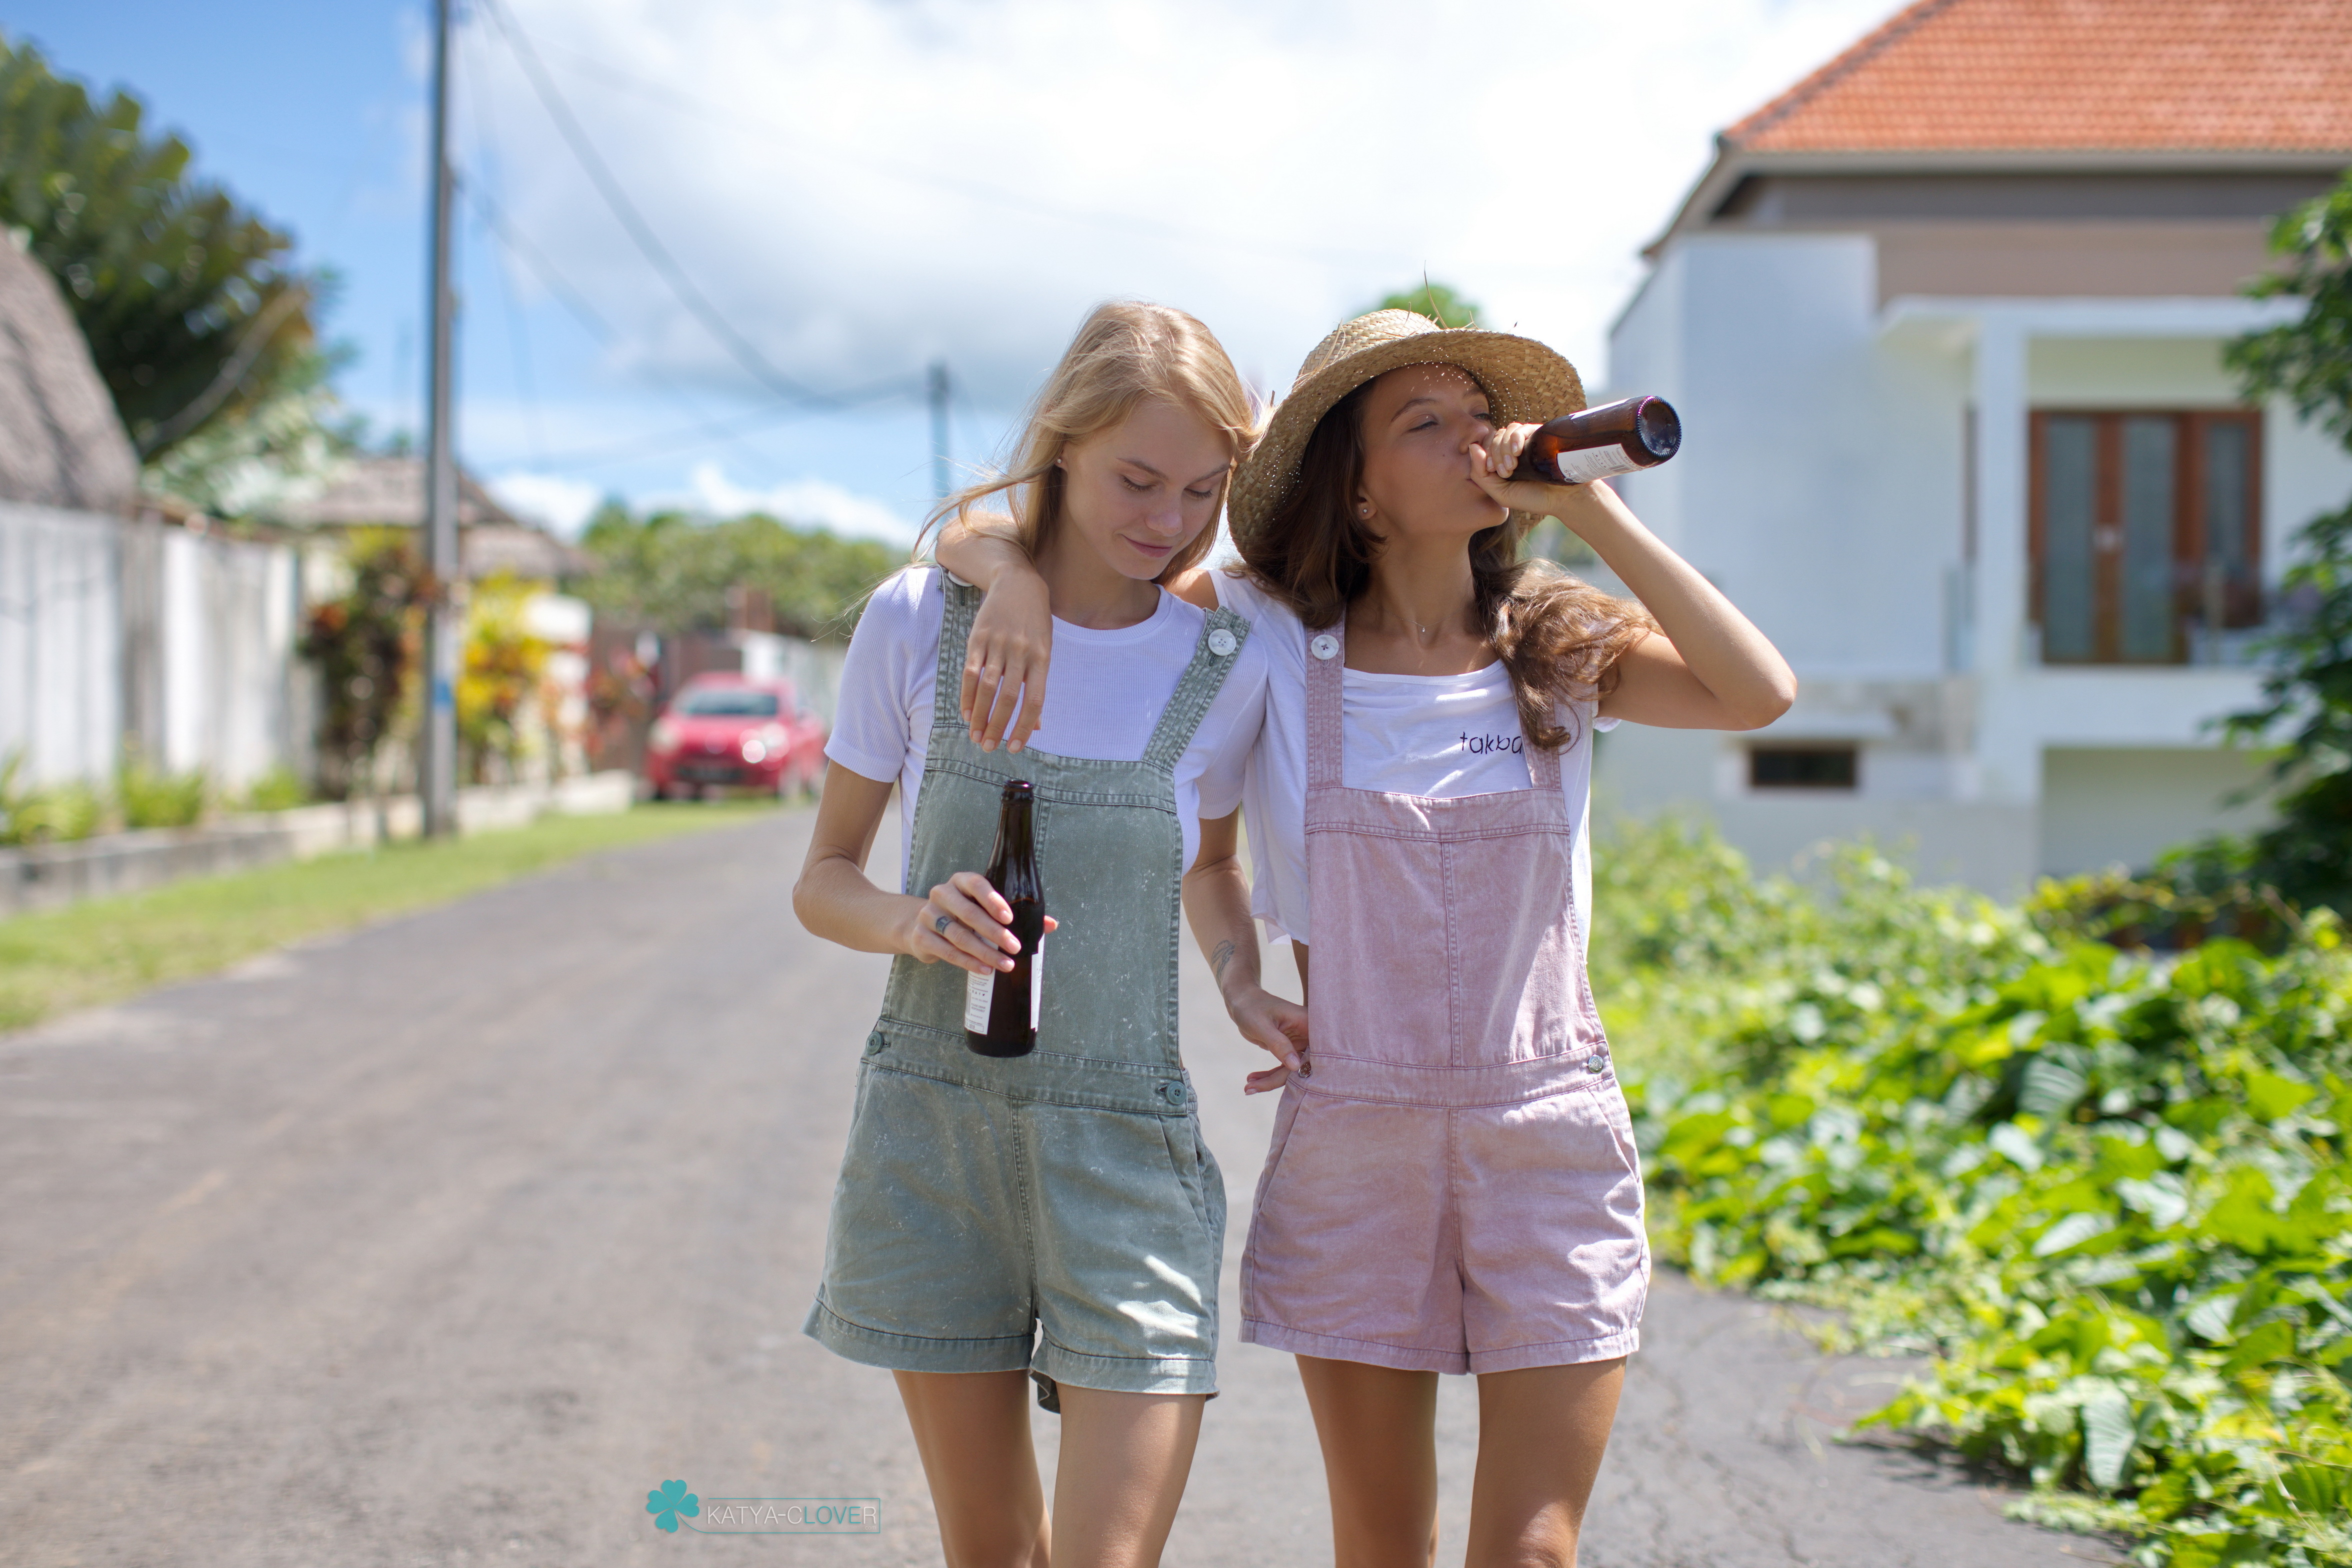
[[107, 949]]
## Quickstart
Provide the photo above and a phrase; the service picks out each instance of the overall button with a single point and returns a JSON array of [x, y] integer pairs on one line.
[[1324, 647], [1173, 1093], [1222, 643], [874, 1045]]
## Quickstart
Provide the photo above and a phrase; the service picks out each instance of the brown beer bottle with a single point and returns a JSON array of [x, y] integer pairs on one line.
[[1000, 1010], [1614, 438]]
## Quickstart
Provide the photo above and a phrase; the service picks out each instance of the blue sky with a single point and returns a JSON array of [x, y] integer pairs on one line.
[[860, 186]]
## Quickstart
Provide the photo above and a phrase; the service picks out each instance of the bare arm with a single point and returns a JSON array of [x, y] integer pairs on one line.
[[962, 920], [1011, 643], [1217, 902], [1012, 640], [1712, 670]]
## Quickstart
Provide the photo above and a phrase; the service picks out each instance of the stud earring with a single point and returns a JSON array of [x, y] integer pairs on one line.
[[1363, 511]]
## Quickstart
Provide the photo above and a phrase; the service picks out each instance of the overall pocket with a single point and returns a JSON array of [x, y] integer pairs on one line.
[[1187, 1157]]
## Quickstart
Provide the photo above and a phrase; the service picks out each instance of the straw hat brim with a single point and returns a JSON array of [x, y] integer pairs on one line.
[[1524, 382]]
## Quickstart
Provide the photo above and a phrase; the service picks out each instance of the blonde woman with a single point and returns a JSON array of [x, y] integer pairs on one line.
[[1054, 1215], [1453, 1186]]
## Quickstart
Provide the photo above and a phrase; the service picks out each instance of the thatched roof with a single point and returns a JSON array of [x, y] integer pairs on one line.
[[389, 492], [62, 443]]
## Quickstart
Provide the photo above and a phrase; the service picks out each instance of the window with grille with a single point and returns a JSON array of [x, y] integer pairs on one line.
[[2145, 528], [1804, 767]]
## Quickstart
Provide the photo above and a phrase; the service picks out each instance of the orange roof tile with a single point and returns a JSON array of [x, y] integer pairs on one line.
[[2130, 76]]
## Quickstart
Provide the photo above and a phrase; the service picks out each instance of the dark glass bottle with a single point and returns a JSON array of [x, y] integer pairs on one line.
[[1000, 1010], [1614, 438]]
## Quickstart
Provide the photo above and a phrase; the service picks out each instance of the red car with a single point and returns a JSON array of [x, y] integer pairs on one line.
[[724, 729]]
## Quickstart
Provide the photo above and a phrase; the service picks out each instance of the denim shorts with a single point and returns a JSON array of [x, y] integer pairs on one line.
[[975, 1228]]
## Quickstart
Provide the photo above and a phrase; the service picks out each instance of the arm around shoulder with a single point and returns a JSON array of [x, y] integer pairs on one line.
[[1003, 700]]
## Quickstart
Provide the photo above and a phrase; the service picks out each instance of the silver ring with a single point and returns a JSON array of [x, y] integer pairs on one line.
[[940, 925]]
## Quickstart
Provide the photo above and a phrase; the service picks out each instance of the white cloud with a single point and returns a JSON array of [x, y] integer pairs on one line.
[[824, 172], [809, 501], [564, 505]]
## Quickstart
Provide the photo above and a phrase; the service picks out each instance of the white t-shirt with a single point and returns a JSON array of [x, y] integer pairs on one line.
[[1103, 699], [1434, 735]]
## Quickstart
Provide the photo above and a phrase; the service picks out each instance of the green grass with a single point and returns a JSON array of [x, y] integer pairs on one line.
[[107, 949]]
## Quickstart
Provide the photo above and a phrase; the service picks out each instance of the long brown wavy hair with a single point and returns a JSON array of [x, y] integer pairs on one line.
[[1556, 634]]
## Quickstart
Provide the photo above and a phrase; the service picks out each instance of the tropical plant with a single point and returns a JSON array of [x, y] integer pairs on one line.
[[505, 671], [193, 311], [365, 643], [2106, 1191], [2307, 696]]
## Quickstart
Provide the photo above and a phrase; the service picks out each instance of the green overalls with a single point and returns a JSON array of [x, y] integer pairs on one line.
[[1067, 1191]]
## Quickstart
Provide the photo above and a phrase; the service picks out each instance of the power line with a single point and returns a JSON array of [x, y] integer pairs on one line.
[[641, 234], [707, 428], [612, 76]]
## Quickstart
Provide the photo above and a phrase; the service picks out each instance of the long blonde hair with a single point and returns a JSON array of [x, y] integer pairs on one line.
[[1125, 352]]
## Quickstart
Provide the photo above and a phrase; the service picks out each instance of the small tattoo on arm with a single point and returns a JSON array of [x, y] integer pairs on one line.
[[1220, 958]]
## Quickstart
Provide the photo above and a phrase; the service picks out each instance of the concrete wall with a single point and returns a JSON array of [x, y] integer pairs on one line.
[[230, 609], [60, 644], [2122, 805], [185, 641]]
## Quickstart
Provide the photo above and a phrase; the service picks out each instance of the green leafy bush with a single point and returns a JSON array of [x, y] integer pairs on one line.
[[2107, 1189], [279, 789], [58, 814], [151, 797]]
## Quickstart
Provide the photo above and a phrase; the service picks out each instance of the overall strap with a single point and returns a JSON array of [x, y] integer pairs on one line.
[[1215, 653], [962, 601], [1325, 694]]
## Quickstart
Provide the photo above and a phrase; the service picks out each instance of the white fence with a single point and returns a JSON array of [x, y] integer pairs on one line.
[[111, 627]]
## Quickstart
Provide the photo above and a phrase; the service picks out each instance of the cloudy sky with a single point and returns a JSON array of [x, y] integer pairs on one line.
[[851, 190]]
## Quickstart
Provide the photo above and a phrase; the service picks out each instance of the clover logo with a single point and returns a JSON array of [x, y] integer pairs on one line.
[[669, 1502]]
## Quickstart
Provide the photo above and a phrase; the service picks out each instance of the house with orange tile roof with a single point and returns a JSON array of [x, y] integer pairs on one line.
[[1944, 324]]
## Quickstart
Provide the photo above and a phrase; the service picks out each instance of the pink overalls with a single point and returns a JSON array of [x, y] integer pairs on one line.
[[1453, 1187]]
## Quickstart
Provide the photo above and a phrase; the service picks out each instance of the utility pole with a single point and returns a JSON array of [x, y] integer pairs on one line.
[[445, 611], [938, 389]]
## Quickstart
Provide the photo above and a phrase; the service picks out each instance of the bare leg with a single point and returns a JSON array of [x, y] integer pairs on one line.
[[1124, 1459], [1378, 1431], [1541, 1432], [972, 1431]]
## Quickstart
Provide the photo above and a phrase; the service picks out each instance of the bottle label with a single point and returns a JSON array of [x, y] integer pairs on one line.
[[1586, 464], [980, 993]]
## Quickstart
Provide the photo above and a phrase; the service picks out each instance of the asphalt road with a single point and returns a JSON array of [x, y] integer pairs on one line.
[[446, 1242]]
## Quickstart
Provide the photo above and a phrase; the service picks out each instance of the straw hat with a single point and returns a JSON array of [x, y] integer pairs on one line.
[[1525, 383]]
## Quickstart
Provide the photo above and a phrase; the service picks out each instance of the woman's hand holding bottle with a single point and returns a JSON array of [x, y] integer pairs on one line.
[[965, 922]]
